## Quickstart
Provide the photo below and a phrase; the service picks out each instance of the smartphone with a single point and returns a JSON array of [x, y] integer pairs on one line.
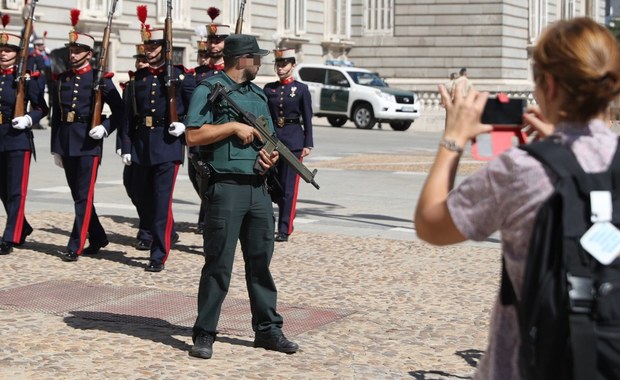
[[508, 113]]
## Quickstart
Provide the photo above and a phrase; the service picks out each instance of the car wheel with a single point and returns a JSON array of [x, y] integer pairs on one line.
[[363, 117], [400, 125], [337, 121]]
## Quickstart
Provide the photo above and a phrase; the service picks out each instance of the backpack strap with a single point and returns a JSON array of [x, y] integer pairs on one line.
[[560, 160], [507, 293], [614, 168]]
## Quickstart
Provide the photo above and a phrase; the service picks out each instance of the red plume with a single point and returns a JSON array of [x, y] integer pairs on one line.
[[142, 12], [45, 34], [5, 20], [213, 12], [75, 16]]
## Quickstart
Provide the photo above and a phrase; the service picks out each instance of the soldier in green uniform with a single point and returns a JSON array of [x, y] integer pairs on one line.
[[238, 204]]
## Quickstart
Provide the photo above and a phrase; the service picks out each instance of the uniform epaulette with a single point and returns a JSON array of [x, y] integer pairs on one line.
[[108, 74], [185, 69]]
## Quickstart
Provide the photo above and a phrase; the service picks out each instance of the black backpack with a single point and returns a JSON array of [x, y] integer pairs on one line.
[[569, 312]]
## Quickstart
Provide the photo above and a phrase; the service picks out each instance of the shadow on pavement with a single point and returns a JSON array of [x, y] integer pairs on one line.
[[471, 356], [159, 330], [153, 329]]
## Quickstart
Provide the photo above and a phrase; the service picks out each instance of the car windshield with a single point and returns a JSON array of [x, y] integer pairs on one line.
[[367, 79]]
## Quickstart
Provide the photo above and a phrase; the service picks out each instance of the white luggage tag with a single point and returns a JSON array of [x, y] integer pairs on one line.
[[602, 240]]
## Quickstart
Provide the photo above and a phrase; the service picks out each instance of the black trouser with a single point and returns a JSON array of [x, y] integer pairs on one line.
[[14, 173], [152, 191], [81, 174], [191, 172], [144, 233], [244, 213], [289, 180]]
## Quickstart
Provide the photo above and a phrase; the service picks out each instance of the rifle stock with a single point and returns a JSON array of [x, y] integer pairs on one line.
[[170, 81], [103, 64], [22, 66], [270, 140], [239, 25]]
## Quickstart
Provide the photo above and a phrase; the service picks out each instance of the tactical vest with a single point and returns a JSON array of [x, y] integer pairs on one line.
[[230, 155]]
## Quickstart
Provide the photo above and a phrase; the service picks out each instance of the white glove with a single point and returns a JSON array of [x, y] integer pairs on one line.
[[57, 160], [22, 122], [176, 129], [118, 151], [98, 132], [127, 159]]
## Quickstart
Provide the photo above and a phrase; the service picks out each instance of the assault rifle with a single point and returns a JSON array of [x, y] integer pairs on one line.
[[22, 66], [270, 141], [170, 81], [239, 25], [103, 64]]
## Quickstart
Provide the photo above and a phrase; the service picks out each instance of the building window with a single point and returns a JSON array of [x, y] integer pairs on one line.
[[295, 17], [99, 8], [234, 6], [568, 11], [539, 17], [177, 14], [338, 19], [378, 17], [178, 55], [12, 4]]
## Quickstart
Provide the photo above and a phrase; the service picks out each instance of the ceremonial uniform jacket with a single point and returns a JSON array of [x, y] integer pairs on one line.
[[228, 155], [290, 107], [149, 142], [15, 139], [71, 116], [204, 72], [39, 61]]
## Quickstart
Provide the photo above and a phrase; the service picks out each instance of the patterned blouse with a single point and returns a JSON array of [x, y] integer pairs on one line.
[[505, 196]]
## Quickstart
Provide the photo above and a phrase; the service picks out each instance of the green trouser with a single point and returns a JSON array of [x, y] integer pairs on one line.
[[243, 212]]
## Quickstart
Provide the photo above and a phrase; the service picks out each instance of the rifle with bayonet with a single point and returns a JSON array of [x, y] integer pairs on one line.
[[269, 140], [170, 81], [239, 26], [22, 66], [103, 64]]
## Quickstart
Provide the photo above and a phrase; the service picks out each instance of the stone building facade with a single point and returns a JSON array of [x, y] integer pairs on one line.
[[412, 43]]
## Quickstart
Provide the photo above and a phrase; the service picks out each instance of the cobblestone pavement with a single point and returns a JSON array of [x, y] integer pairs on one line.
[[419, 311]]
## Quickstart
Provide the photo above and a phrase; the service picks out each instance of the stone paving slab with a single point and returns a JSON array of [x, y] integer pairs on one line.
[[421, 311], [150, 306]]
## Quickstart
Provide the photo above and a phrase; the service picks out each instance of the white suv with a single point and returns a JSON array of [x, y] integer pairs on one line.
[[341, 93]]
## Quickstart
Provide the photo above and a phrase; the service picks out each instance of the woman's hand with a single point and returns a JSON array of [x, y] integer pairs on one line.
[[536, 125], [463, 115]]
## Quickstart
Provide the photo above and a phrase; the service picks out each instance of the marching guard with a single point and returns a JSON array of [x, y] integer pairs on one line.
[[155, 144], [75, 146], [210, 62], [16, 140], [290, 106]]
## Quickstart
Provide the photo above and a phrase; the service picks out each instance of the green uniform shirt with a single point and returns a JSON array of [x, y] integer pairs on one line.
[[228, 155]]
